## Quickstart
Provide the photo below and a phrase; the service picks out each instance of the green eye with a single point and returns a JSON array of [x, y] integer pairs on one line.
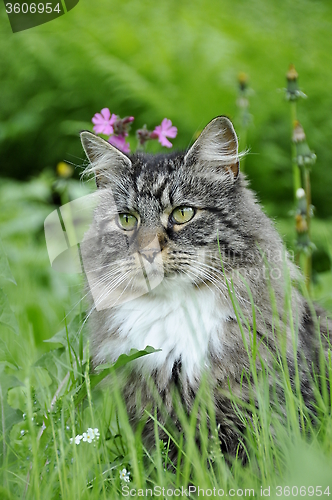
[[182, 214], [127, 221]]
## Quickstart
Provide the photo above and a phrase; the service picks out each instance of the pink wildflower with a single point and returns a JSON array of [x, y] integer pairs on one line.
[[104, 122], [119, 141], [161, 132]]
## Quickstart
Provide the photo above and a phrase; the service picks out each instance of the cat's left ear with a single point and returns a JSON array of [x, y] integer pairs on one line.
[[216, 148], [106, 161]]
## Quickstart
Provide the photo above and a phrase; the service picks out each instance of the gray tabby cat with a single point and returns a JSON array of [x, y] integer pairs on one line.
[[168, 231]]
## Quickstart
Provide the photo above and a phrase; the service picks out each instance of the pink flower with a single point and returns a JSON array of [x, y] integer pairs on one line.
[[119, 141], [104, 122], [161, 132]]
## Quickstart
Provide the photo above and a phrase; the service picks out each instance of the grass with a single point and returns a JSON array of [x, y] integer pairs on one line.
[[286, 447]]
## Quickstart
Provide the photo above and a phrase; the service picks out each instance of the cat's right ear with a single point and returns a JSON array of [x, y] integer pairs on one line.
[[216, 149], [106, 161]]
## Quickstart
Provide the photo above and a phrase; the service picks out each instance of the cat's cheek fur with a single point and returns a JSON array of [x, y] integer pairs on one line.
[[186, 323]]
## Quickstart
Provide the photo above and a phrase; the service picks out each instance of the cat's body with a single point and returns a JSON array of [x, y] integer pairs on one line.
[[161, 282]]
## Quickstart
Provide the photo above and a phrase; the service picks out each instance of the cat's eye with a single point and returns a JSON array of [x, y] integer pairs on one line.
[[127, 221], [181, 215]]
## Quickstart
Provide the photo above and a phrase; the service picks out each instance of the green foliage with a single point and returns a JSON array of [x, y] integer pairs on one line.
[[54, 401], [58, 398], [7, 317], [174, 59], [149, 59]]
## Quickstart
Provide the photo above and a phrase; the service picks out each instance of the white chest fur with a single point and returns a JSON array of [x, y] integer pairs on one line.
[[182, 321]]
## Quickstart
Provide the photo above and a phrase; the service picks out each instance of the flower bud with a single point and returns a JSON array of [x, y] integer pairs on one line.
[[243, 81], [304, 156], [291, 74], [122, 126], [300, 193], [292, 91], [298, 132], [143, 135], [301, 224], [64, 170]]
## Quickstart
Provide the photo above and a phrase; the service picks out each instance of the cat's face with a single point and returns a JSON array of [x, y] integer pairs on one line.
[[160, 216]]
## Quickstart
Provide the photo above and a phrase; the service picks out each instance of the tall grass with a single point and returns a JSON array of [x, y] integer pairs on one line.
[[287, 445]]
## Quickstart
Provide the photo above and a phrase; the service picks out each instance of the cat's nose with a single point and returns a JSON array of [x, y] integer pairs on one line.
[[149, 254]]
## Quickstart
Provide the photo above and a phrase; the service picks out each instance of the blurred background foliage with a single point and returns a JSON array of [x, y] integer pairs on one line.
[[178, 59], [174, 59]]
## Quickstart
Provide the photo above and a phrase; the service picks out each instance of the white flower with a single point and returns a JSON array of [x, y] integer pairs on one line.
[[91, 432], [124, 475], [300, 193], [77, 439], [88, 436]]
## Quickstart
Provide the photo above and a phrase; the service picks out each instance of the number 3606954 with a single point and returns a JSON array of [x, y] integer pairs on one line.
[[33, 8]]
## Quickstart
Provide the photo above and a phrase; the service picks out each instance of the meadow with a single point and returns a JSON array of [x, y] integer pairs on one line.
[[179, 60]]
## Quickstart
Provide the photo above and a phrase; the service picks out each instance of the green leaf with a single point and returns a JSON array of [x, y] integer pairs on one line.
[[7, 316], [123, 359], [54, 362], [73, 330], [8, 376], [40, 377], [59, 338], [107, 369], [16, 398], [5, 272], [5, 494]]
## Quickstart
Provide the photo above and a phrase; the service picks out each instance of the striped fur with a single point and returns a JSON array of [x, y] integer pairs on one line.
[[187, 311]]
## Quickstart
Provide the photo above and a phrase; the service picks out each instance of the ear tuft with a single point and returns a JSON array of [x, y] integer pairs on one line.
[[106, 161], [216, 147]]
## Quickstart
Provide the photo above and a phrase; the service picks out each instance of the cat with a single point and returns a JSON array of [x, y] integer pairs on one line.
[[170, 233]]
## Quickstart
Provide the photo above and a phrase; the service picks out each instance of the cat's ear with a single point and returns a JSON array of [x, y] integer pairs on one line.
[[106, 161], [216, 147]]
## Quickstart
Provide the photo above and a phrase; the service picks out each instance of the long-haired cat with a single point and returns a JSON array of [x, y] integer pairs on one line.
[[170, 233]]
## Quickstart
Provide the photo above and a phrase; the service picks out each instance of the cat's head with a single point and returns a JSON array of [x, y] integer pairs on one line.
[[161, 216]]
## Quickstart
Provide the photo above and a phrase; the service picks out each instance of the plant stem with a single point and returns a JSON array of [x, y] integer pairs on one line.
[[243, 145], [308, 258], [296, 171]]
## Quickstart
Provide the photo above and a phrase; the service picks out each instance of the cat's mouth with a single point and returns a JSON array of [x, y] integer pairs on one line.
[[132, 279]]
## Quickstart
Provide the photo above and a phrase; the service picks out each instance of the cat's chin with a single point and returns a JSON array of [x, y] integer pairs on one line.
[[174, 280], [164, 286]]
